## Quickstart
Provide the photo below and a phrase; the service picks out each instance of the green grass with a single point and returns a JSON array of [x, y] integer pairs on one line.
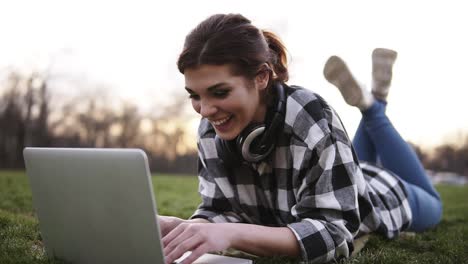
[[20, 240]]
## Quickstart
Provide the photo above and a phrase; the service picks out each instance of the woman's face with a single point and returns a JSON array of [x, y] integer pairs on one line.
[[229, 102]]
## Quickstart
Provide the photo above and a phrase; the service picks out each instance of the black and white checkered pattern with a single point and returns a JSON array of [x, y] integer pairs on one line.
[[311, 183]]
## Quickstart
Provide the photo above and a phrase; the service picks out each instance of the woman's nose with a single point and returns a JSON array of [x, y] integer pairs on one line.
[[207, 109]]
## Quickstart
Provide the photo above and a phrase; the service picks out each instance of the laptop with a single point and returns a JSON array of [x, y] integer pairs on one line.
[[98, 206]]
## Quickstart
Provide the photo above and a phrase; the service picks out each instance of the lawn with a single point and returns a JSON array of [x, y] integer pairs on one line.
[[20, 240]]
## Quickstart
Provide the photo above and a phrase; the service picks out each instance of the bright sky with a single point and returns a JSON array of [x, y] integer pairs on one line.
[[133, 46]]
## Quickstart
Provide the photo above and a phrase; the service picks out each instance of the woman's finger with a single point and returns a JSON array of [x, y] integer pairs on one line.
[[196, 253], [173, 234], [187, 245], [188, 233]]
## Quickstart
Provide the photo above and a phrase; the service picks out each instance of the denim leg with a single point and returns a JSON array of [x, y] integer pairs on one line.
[[426, 209], [397, 156], [363, 145], [393, 151]]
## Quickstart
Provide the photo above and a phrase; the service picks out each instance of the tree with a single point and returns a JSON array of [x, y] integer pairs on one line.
[[28, 118]]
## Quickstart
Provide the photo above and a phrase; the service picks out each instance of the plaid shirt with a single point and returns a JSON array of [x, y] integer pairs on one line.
[[312, 183]]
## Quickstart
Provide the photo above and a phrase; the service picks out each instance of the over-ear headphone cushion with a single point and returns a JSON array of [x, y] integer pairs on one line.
[[244, 134], [230, 151]]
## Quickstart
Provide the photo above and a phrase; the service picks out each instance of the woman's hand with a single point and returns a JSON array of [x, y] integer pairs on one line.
[[200, 238], [168, 223]]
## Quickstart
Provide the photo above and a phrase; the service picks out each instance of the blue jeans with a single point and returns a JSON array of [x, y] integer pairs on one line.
[[377, 141]]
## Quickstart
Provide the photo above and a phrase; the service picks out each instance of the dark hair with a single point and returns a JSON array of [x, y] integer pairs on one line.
[[232, 39]]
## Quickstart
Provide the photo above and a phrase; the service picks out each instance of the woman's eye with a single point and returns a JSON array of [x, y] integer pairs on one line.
[[220, 94], [194, 96]]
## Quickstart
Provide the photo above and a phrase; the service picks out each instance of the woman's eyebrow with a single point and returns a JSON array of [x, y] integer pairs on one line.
[[211, 88], [188, 90]]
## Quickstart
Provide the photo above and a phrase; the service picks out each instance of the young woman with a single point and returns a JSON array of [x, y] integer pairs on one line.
[[278, 174]]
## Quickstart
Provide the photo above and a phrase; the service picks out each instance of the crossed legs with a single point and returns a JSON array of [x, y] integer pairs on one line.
[[377, 140]]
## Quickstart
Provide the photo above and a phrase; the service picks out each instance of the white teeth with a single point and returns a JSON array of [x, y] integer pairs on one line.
[[220, 122]]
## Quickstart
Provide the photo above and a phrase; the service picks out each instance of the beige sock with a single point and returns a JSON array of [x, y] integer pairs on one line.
[[337, 73], [382, 63]]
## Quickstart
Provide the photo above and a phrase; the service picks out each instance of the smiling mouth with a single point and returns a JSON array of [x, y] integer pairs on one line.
[[221, 121]]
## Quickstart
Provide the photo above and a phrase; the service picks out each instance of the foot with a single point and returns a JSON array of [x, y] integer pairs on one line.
[[382, 63], [338, 74]]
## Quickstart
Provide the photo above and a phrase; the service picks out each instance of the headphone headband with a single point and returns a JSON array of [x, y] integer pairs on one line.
[[278, 117]]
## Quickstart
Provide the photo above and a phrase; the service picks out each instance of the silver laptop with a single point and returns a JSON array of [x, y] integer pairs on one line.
[[98, 206]]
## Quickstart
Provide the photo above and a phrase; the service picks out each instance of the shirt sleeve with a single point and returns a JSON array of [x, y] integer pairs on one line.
[[327, 210], [214, 187]]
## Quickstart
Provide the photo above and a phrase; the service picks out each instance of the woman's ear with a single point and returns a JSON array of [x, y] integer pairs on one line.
[[263, 76]]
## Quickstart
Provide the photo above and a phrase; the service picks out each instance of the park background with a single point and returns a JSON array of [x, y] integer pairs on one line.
[[103, 73]]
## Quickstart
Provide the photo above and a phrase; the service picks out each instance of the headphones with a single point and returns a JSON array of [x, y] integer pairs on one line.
[[255, 142]]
